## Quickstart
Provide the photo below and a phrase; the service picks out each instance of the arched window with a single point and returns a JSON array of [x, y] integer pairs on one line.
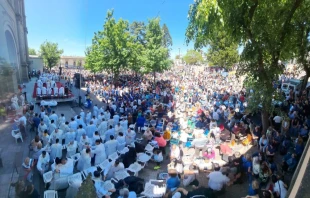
[[11, 48]]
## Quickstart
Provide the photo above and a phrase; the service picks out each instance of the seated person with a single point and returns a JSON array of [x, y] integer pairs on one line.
[[98, 182], [196, 192], [173, 182], [133, 183]]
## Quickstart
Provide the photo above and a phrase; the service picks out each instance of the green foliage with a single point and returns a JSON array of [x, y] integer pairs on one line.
[[167, 39], [222, 51], [91, 61], [32, 51], [137, 30], [87, 189], [261, 26], [192, 57], [110, 49], [155, 57], [50, 53]]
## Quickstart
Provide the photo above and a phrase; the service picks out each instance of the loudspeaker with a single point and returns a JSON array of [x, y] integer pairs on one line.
[[66, 90]]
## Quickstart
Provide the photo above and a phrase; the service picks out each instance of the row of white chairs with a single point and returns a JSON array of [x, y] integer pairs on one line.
[[45, 91]]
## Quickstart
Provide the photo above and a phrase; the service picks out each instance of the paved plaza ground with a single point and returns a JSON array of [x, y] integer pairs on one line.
[[12, 155]]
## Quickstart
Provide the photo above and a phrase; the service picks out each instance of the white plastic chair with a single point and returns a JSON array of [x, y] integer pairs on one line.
[[75, 157], [55, 91], [39, 91], [149, 148], [43, 90], [77, 177], [125, 150], [17, 135], [50, 194], [47, 177], [122, 174], [61, 91], [134, 168], [121, 147], [114, 156], [103, 165]]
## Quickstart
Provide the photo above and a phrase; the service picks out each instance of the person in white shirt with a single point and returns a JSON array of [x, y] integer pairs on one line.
[[47, 120], [56, 150], [43, 162], [45, 138], [70, 136], [116, 119], [111, 146], [94, 120], [215, 115], [57, 134], [42, 127], [99, 150], [85, 160], [71, 148], [88, 117], [64, 127], [90, 129], [107, 115], [82, 114], [96, 136], [111, 122], [98, 183], [118, 128], [103, 127], [217, 180], [279, 187], [124, 124], [66, 167], [73, 124], [52, 127], [22, 119], [130, 136], [112, 168], [84, 142], [79, 133], [80, 121], [54, 117], [95, 110], [61, 120]]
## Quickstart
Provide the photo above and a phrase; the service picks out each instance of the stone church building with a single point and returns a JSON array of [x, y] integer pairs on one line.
[[14, 59]]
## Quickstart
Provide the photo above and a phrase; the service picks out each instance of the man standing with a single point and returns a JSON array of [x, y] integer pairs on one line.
[[90, 129], [111, 146], [43, 162], [99, 150]]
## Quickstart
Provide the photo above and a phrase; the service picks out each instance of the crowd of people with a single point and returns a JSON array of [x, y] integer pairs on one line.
[[196, 121]]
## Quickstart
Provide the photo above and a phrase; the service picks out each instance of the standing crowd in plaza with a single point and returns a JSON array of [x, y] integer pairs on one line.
[[197, 121]]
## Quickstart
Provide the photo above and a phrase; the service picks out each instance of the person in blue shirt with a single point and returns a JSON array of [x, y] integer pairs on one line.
[[36, 121], [140, 122], [173, 182], [289, 162], [247, 165]]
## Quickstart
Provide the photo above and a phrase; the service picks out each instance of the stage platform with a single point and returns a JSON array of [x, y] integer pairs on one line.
[[69, 97]]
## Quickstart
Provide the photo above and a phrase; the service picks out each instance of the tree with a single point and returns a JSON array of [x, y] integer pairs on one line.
[[137, 30], [32, 51], [192, 57], [222, 51], [298, 43], [91, 61], [261, 26], [167, 39], [111, 46], [155, 54], [87, 188], [50, 53]]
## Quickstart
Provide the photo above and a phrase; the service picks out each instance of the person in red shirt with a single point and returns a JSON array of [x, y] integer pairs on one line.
[[161, 142]]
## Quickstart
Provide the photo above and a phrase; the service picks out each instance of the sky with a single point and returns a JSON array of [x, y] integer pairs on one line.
[[72, 23]]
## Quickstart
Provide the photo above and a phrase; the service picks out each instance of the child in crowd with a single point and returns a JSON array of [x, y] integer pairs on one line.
[[158, 158]]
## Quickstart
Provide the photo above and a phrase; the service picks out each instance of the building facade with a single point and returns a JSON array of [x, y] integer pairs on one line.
[[35, 63], [14, 59], [72, 61]]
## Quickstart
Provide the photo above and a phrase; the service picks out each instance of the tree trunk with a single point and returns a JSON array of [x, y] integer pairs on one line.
[[154, 75], [265, 120]]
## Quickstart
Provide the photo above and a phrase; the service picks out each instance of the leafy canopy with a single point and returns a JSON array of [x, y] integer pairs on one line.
[[155, 57], [192, 57], [50, 53], [32, 51]]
